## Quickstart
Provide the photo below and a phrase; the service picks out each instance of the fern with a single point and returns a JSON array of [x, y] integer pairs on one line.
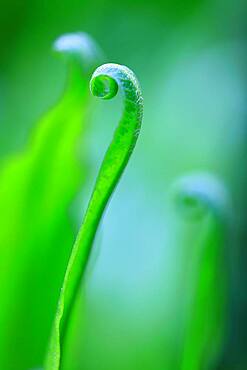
[[105, 83], [37, 187]]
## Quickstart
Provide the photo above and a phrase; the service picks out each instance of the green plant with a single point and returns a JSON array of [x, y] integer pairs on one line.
[[202, 198], [36, 228], [104, 84]]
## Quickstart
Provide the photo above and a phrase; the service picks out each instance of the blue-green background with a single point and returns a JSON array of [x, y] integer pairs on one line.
[[190, 58]]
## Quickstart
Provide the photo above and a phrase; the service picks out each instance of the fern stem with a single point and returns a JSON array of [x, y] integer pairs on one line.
[[104, 84], [203, 198]]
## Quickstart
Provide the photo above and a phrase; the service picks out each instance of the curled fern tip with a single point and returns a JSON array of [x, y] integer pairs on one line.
[[80, 47], [197, 194]]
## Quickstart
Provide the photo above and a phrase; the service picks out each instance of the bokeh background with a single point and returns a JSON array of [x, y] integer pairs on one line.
[[190, 58]]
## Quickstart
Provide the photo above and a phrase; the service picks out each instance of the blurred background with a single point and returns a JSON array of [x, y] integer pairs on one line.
[[190, 58]]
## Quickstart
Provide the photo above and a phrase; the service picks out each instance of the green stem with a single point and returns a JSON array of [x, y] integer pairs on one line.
[[105, 83], [203, 198]]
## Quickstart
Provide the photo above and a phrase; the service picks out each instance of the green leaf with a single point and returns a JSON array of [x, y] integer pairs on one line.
[[105, 83], [37, 187]]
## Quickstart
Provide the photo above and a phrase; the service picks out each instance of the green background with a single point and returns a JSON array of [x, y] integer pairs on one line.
[[190, 58]]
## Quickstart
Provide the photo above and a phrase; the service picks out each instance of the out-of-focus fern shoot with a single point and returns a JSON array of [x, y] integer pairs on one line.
[[37, 187], [202, 198]]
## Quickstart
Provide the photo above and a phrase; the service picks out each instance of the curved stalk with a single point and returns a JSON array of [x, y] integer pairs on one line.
[[35, 197], [104, 84], [203, 198]]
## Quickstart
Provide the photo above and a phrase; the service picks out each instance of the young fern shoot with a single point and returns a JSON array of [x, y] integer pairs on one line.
[[203, 198], [104, 84], [36, 194]]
